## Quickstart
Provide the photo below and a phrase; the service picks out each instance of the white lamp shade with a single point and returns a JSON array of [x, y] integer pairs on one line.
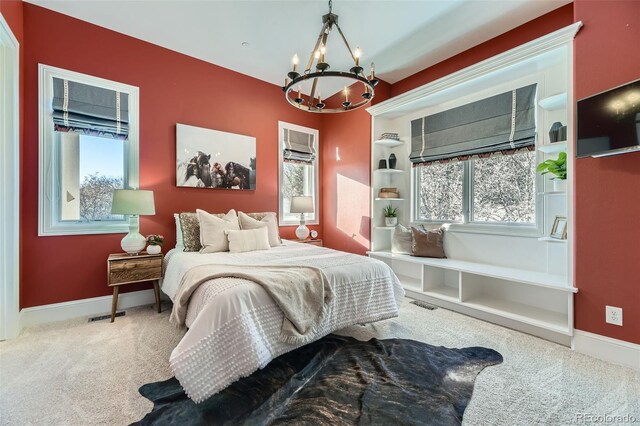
[[133, 202], [301, 205]]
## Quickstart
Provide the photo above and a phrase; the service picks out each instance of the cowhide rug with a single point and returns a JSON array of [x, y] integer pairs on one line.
[[337, 381]]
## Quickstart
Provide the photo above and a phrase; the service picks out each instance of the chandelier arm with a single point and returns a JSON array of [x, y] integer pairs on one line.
[[346, 43], [315, 49]]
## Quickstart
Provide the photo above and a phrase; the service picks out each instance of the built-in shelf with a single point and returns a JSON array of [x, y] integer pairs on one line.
[[386, 227], [410, 283], [552, 240], [389, 199], [389, 171], [553, 147], [554, 102], [443, 292], [389, 143], [549, 320]]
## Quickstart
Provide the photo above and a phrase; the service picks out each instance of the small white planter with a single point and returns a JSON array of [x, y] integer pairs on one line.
[[390, 221], [559, 185], [154, 249]]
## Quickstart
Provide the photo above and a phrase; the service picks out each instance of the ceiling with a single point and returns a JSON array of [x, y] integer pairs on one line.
[[401, 37]]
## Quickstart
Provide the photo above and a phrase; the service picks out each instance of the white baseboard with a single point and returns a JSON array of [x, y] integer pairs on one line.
[[82, 308], [608, 349]]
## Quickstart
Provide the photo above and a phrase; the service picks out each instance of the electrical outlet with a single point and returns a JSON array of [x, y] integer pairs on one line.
[[614, 315]]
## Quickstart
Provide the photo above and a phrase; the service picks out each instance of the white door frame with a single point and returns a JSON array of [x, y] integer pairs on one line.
[[9, 182]]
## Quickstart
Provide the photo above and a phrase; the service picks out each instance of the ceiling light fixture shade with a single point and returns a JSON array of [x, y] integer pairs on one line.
[[314, 103]]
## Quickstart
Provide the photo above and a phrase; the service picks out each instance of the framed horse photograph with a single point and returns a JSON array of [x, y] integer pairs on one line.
[[208, 158]]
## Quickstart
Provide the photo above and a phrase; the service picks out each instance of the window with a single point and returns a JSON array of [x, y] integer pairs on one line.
[[87, 149], [475, 165], [298, 148], [500, 189]]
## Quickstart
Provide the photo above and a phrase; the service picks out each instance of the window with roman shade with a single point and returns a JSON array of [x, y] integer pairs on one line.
[[503, 123], [88, 147], [298, 174], [89, 110], [299, 147]]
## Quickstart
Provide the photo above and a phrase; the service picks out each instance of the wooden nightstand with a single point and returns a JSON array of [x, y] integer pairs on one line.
[[316, 242], [123, 268]]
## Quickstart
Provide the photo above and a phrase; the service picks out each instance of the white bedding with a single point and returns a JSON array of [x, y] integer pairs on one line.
[[234, 324]]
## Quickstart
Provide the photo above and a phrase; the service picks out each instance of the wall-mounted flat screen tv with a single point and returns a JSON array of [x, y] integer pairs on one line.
[[609, 123]]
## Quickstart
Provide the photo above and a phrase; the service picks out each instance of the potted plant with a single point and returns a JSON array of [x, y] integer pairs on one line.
[[390, 215], [558, 168], [155, 243]]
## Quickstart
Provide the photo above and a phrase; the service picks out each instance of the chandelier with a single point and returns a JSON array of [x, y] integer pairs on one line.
[[361, 87]]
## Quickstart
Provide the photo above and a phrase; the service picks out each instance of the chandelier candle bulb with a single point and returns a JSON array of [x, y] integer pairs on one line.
[[373, 70], [323, 50], [356, 55], [295, 62]]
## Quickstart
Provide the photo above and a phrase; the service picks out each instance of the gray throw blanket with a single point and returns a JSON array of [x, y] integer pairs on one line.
[[302, 293]]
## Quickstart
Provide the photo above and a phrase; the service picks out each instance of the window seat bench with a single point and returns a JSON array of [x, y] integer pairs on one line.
[[531, 301]]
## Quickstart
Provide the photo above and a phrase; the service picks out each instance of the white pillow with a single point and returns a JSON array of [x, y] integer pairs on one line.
[[212, 236], [248, 240], [269, 221], [179, 240]]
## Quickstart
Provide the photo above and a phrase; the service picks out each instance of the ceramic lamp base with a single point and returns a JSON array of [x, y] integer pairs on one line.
[[302, 232], [133, 243]]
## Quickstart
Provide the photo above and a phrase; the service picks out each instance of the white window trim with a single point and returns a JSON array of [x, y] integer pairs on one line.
[[48, 184], [534, 230], [316, 199]]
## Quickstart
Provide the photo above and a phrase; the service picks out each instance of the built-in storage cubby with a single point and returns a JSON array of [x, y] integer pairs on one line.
[[535, 300], [513, 274]]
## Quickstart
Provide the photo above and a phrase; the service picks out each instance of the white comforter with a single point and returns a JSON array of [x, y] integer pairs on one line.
[[234, 324]]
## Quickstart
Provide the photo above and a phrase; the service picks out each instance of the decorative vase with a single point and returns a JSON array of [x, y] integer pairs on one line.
[[390, 221], [382, 164], [392, 161], [554, 132], [559, 185], [154, 249]]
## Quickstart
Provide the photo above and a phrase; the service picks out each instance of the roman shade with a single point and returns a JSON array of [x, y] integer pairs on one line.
[[298, 147], [87, 109], [502, 123]]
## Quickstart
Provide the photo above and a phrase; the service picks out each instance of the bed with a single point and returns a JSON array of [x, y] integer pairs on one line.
[[234, 325]]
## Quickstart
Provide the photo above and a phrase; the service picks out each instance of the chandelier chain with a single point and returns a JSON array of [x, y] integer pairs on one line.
[[330, 5]]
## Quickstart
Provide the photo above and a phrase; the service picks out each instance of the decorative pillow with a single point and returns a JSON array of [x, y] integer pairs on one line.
[[179, 242], [248, 240], [402, 241], [262, 220], [428, 243], [212, 236], [190, 230]]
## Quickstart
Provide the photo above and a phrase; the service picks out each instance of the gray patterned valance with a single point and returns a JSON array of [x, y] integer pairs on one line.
[[299, 147], [89, 109], [502, 123]]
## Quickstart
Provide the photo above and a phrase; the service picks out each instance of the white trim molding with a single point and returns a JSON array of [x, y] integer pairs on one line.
[[608, 349], [525, 51], [9, 182], [46, 314]]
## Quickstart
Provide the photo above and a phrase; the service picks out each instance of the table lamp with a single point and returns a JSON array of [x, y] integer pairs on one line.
[[133, 202], [302, 205]]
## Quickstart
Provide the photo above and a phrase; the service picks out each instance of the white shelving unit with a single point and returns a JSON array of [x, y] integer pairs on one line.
[[388, 171], [531, 298], [553, 148], [554, 102], [522, 282], [389, 143], [388, 199]]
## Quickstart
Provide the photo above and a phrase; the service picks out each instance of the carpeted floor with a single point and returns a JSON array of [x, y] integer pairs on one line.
[[80, 373]]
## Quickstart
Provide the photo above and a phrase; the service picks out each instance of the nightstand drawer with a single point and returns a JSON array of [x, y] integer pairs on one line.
[[135, 269]]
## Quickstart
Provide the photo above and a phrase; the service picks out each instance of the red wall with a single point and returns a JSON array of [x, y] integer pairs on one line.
[[607, 191], [346, 186], [174, 88]]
